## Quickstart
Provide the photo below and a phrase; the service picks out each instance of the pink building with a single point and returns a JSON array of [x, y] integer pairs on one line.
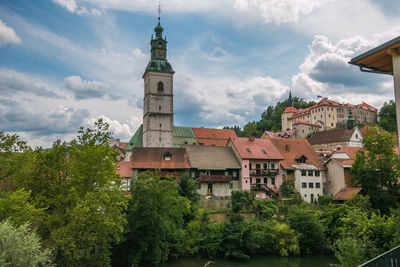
[[259, 161]]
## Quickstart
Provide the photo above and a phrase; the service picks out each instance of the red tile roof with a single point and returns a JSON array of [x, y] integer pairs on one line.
[[124, 168], [367, 107], [153, 158], [290, 110], [216, 137], [300, 121], [292, 149], [283, 134], [301, 112], [331, 136], [123, 144], [350, 151], [345, 162], [255, 149], [346, 193]]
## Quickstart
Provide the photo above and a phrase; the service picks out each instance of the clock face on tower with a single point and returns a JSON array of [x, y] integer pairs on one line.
[[160, 53]]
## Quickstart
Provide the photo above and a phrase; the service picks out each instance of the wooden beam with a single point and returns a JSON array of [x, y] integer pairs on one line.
[[393, 52]]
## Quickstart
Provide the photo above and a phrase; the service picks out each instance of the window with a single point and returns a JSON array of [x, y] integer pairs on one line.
[[317, 185], [272, 165], [303, 173], [310, 185], [258, 181], [263, 151], [273, 181], [310, 173], [160, 87], [265, 165], [226, 173], [230, 186], [303, 185], [250, 166], [265, 180], [234, 174], [251, 180], [159, 108], [248, 150], [193, 174], [198, 186], [167, 156], [258, 166], [317, 173], [118, 167]]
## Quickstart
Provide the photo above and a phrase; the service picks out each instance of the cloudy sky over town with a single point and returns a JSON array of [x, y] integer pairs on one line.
[[65, 63]]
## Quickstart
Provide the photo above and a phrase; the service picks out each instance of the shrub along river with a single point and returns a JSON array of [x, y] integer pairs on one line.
[[257, 261]]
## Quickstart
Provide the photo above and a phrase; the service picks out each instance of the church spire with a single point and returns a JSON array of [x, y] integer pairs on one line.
[[290, 101]]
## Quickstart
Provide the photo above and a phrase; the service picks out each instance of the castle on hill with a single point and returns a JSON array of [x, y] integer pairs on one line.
[[325, 115]]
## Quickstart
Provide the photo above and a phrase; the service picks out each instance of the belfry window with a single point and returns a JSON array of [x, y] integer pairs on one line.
[[160, 87]]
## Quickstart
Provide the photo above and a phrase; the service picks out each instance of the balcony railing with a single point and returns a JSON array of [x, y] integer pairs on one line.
[[264, 172], [215, 178], [389, 258]]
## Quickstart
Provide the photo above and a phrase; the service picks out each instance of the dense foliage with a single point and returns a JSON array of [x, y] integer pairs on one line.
[[376, 169], [270, 118], [387, 117]]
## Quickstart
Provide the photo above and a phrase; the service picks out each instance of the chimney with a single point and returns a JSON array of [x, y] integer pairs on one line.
[[287, 147], [251, 138]]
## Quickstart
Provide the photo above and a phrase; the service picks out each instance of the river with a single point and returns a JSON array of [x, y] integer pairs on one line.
[[257, 261]]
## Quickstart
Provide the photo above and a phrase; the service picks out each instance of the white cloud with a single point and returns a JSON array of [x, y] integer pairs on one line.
[[83, 89], [120, 130], [13, 82], [279, 11], [8, 35]]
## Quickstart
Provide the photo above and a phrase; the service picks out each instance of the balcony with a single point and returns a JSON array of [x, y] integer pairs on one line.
[[264, 172], [215, 178]]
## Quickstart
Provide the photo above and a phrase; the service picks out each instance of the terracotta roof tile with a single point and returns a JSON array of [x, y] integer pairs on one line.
[[153, 158], [346, 193], [292, 149], [345, 162], [124, 168], [290, 110], [300, 121], [283, 134], [257, 149], [350, 151], [216, 137]]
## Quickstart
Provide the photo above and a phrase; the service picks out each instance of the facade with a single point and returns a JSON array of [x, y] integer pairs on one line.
[[302, 129], [339, 166], [329, 114], [125, 170], [336, 139], [259, 161], [302, 165], [158, 114], [216, 169]]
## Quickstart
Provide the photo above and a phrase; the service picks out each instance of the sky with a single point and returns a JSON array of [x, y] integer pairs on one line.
[[66, 63]]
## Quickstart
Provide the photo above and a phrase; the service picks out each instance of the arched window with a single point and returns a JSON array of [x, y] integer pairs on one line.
[[160, 87]]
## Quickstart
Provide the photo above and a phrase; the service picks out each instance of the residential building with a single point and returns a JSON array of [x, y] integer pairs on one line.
[[259, 161], [303, 129], [302, 165], [171, 162], [124, 168], [329, 114], [336, 139], [216, 169], [339, 165]]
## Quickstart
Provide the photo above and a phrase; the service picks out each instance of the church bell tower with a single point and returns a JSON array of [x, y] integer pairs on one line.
[[158, 112]]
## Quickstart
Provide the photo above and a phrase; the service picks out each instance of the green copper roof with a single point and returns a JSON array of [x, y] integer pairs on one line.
[[137, 139], [159, 65], [184, 136]]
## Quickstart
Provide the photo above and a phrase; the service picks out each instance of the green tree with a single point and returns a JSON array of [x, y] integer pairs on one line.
[[21, 247], [287, 188], [155, 221], [250, 129], [310, 231], [187, 187], [76, 186], [387, 117], [376, 169]]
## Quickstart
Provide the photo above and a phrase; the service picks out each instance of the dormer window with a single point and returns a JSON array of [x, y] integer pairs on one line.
[[263, 151], [302, 159], [167, 156], [248, 150], [160, 87]]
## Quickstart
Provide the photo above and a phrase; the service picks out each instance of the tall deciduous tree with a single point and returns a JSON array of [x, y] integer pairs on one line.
[[387, 117], [377, 168], [156, 221]]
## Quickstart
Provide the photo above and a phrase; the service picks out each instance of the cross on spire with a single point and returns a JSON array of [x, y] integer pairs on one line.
[[159, 11]]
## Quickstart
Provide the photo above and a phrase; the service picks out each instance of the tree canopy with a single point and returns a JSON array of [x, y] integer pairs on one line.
[[387, 117]]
